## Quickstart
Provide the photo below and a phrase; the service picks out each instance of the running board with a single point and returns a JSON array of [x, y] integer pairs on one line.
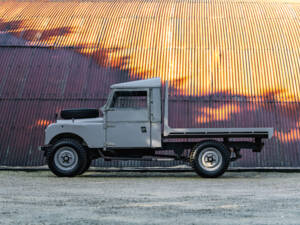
[[145, 158]]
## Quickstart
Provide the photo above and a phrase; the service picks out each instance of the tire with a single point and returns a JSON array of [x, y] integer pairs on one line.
[[79, 113], [86, 167], [75, 160], [210, 159]]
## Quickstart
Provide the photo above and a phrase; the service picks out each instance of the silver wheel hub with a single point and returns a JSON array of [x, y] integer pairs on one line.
[[66, 158], [210, 159]]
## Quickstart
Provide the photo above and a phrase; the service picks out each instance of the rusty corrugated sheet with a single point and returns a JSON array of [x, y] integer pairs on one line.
[[230, 64]]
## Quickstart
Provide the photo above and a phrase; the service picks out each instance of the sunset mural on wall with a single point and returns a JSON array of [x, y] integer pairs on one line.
[[228, 51]]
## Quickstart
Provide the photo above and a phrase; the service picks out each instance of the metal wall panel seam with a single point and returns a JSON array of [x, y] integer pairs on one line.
[[8, 137]]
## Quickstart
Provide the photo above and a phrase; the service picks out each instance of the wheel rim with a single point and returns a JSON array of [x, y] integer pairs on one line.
[[66, 158], [210, 159]]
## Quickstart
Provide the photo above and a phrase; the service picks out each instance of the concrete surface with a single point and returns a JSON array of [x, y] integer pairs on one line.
[[177, 168], [149, 198]]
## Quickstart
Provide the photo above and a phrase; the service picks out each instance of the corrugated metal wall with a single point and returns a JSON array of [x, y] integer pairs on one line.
[[230, 64]]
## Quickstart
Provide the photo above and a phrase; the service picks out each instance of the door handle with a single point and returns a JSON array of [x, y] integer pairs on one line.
[[143, 129]]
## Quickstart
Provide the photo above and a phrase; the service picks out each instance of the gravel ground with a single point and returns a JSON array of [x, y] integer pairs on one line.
[[149, 198]]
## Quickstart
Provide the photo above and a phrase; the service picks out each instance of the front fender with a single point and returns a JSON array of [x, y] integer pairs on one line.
[[91, 133]]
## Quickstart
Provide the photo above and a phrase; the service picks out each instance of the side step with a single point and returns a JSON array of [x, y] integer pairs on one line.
[[144, 158]]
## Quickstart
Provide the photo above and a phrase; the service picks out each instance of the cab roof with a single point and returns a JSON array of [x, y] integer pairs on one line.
[[149, 83]]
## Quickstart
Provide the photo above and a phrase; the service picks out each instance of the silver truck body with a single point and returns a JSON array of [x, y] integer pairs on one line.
[[138, 127], [131, 129]]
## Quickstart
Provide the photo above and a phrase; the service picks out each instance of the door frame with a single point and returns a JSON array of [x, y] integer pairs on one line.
[[107, 109]]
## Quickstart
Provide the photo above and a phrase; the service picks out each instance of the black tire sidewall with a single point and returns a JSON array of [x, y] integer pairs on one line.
[[79, 113], [82, 157], [87, 166]]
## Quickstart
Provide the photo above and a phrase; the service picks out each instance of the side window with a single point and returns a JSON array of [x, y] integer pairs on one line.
[[129, 100]]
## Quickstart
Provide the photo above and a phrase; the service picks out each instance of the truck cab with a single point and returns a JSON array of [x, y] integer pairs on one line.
[[133, 127], [131, 119], [132, 115]]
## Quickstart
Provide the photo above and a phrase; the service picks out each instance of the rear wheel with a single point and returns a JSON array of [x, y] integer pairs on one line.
[[210, 159], [67, 158]]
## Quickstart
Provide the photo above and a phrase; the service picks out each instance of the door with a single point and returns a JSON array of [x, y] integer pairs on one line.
[[127, 119]]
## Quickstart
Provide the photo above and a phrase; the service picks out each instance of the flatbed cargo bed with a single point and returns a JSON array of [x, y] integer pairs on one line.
[[264, 132], [218, 132]]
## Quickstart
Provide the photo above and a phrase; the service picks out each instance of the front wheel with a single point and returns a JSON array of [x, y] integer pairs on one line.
[[87, 166], [67, 158], [210, 159]]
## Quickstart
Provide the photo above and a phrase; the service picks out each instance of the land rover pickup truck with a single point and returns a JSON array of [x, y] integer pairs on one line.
[[134, 127]]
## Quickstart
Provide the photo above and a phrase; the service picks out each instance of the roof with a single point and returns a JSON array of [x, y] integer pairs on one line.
[[149, 83]]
